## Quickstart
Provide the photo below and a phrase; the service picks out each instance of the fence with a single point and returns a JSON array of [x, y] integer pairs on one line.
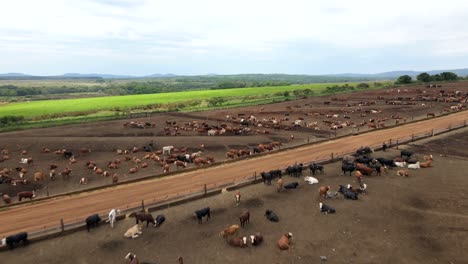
[[165, 201]]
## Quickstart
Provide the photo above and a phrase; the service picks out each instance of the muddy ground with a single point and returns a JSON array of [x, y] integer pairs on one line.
[[104, 138], [419, 219]]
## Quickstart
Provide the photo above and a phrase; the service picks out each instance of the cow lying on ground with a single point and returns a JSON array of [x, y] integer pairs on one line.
[[284, 241], [291, 185], [270, 215], [229, 231], [347, 193], [323, 191], [256, 239], [403, 173], [326, 209], [12, 240], [133, 232], [238, 242]]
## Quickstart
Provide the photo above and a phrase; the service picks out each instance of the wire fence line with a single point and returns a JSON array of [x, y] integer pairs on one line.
[[168, 200]]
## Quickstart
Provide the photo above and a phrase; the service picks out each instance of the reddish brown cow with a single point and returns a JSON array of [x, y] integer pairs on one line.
[[39, 176], [323, 191], [6, 198], [26, 194], [285, 241], [115, 178], [85, 150], [133, 170]]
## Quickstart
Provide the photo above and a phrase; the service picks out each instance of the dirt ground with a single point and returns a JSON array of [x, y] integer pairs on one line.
[[419, 219], [104, 138]]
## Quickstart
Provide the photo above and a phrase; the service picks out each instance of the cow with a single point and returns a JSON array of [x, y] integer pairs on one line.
[[291, 185], [403, 173], [12, 240], [133, 258], [68, 154], [323, 191], [285, 241], [279, 185], [92, 220], [237, 196], [256, 239], [363, 151], [229, 231], [6, 198], [112, 216], [406, 153], [159, 220], [238, 242], [266, 176], [270, 215], [414, 166], [326, 209], [144, 216], [295, 170], [26, 194], [348, 167], [199, 214], [314, 167], [244, 218], [167, 149], [347, 193], [39, 176], [386, 162], [133, 232]]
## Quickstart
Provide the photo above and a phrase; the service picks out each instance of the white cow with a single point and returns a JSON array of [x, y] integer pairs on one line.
[[400, 164], [167, 149], [310, 180], [112, 215], [133, 232], [414, 166]]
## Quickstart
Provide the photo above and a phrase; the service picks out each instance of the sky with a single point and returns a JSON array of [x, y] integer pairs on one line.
[[142, 37]]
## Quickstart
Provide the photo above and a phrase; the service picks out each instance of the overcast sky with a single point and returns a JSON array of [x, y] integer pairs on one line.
[[140, 37]]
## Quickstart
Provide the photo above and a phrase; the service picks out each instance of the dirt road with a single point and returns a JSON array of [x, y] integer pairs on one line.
[[76, 208]]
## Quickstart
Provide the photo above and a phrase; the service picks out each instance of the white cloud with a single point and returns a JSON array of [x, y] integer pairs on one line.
[[126, 30]]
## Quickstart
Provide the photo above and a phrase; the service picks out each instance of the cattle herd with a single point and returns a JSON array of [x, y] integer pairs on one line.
[[363, 163]]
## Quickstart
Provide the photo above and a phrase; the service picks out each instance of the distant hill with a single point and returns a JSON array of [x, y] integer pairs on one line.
[[391, 75]]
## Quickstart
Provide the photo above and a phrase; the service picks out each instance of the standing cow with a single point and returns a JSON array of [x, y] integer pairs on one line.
[[12, 240], [92, 220], [201, 213]]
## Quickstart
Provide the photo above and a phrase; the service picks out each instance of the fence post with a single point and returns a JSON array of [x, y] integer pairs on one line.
[[205, 189], [397, 144], [308, 139], [142, 205], [412, 137], [390, 143], [62, 226], [332, 156], [432, 132], [47, 190], [450, 127], [255, 175], [464, 123]]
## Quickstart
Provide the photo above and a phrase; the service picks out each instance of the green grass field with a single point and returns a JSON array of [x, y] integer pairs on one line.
[[38, 108]]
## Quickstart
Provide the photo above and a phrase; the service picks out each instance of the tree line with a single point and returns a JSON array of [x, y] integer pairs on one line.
[[425, 77]]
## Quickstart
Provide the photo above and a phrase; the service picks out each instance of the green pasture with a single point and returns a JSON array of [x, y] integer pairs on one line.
[[38, 108]]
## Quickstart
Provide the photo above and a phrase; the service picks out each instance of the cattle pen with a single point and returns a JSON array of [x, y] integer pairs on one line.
[[164, 201]]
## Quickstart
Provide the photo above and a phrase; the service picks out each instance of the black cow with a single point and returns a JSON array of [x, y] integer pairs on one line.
[[201, 213], [160, 220], [326, 209], [291, 185], [314, 167], [406, 153], [348, 167], [270, 215], [266, 176], [12, 240], [387, 162], [364, 151], [68, 154], [347, 193], [92, 220], [364, 159], [295, 170], [256, 150], [275, 173], [184, 158]]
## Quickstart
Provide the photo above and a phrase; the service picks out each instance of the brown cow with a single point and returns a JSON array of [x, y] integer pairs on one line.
[[244, 218], [97, 170], [133, 170], [403, 173], [115, 178], [426, 164], [85, 150], [323, 191], [229, 231], [45, 150], [285, 241], [279, 185], [39, 176], [238, 242], [26, 194], [6, 198]]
